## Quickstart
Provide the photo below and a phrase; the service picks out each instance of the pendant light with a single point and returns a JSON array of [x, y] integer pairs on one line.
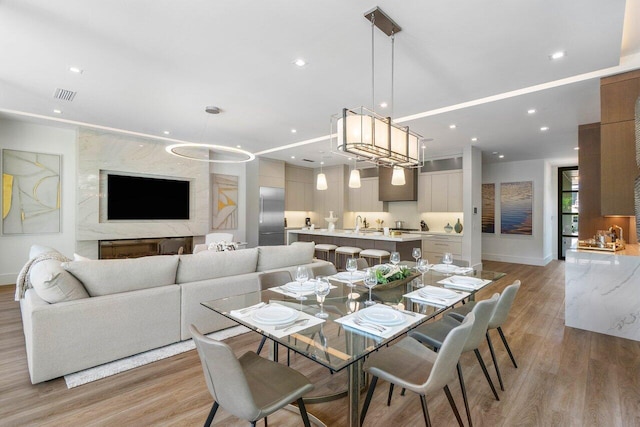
[[321, 181], [354, 177], [398, 176]]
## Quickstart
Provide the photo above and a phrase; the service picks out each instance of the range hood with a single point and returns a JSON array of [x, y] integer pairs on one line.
[[397, 193]]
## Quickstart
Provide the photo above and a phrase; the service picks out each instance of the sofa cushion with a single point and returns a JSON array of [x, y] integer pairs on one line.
[[298, 253], [111, 276], [53, 283], [211, 264]]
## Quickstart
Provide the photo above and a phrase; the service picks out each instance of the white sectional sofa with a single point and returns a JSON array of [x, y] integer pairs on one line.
[[84, 313]]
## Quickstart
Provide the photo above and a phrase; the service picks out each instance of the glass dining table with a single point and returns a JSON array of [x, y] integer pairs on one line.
[[352, 329]]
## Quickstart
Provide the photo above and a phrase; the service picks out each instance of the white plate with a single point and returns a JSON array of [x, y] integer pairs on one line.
[[345, 275], [432, 291], [274, 315], [444, 268], [297, 287], [382, 316], [459, 280]]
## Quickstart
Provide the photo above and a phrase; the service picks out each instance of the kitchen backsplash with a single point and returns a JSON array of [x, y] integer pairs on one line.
[[406, 211]]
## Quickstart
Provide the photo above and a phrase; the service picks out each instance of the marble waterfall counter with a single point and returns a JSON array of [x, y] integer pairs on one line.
[[403, 243], [602, 292]]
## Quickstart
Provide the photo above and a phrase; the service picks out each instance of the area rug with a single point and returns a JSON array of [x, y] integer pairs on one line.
[[121, 365]]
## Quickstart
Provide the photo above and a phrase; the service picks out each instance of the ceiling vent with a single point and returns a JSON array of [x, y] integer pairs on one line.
[[307, 160], [64, 94]]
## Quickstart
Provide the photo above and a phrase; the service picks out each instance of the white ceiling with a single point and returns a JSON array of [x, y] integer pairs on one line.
[[150, 66]]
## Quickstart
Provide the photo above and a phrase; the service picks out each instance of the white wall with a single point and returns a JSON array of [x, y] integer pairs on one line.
[[18, 135], [534, 249]]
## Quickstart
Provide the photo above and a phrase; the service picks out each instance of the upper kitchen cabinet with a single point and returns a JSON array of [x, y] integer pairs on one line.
[[440, 191], [298, 188], [618, 166], [365, 198]]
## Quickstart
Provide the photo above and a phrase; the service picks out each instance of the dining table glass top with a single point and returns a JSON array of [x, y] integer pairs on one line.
[[352, 328]]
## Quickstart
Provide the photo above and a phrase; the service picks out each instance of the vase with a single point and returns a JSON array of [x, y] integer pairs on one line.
[[458, 227], [448, 228]]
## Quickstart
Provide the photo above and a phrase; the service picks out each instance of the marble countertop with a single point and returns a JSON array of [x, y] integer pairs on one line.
[[405, 237], [629, 250]]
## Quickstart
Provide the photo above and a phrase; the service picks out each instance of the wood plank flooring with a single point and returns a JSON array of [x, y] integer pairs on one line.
[[565, 377]]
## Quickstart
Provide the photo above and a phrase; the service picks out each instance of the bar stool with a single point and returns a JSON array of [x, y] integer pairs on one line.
[[371, 254], [347, 251], [326, 249]]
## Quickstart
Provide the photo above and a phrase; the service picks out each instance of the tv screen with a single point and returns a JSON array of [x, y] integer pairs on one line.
[[137, 197]]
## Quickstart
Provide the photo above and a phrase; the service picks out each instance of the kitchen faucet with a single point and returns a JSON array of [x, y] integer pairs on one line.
[[358, 223]]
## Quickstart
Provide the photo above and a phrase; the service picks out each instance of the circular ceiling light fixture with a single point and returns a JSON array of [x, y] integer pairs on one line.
[[244, 155]]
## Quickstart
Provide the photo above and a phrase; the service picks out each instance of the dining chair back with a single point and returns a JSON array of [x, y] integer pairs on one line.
[[270, 279], [483, 311], [323, 270], [218, 237], [504, 305], [240, 385], [362, 263]]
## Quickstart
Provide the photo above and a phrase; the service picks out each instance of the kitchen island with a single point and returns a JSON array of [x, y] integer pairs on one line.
[[601, 291], [403, 243]]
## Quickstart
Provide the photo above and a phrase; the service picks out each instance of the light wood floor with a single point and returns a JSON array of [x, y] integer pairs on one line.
[[566, 377]]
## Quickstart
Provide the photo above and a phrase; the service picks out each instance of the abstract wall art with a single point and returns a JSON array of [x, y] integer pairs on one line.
[[30, 192], [516, 208], [488, 208], [224, 199]]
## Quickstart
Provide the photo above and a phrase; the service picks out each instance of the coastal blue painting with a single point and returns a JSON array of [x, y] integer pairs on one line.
[[516, 208]]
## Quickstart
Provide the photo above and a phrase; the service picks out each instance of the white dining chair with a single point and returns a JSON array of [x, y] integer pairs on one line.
[[218, 237]]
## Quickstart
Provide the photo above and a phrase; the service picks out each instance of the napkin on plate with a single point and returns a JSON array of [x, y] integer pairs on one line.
[[451, 269], [389, 330], [243, 312], [286, 290], [422, 296], [464, 283]]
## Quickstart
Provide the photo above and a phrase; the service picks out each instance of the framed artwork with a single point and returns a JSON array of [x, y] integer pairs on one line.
[[224, 199], [516, 208], [30, 192], [489, 208]]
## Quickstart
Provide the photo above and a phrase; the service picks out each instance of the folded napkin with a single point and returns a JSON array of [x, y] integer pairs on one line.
[[290, 292], [422, 296], [464, 283], [385, 331], [283, 332], [243, 312], [346, 277], [451, 269]]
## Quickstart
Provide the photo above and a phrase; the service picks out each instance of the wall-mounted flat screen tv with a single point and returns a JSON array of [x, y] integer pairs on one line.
[[139, 198]]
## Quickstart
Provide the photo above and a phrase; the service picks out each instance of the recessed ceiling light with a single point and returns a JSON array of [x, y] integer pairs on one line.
[[576, 148], [494, 153], [452, 126], [501, 156], [56, 111], [383, 105], [294, 130], [238, 146], [75, 70], [531, 111], [166, 132], [557, 55], [300, 62], [474, 139], [293, 157], [544, 128]]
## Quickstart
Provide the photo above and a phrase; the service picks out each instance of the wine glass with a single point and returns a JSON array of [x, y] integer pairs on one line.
[[302, 275], [447, 259], [352, 265], [394, 258], [423, 267], [370, 280], [322, 289], [416, 253]]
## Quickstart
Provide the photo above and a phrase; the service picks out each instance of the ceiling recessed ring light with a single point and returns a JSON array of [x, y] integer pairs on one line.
[[171, 150]]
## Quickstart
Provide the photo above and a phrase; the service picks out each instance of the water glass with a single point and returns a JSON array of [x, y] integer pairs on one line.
[[302, 275], [416, 253], [447, 259], [423, 267], [352, 265], [394, 258], [370, 280], [322, 289]]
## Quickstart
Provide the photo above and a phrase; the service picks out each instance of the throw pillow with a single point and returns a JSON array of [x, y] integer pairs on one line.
[[54, 284]]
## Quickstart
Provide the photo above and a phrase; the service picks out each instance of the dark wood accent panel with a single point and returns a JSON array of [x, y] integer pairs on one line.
[[345, 241], [384, 245], [618, 168], [305, 238], [589, 169], [396, 193], [618, 99]]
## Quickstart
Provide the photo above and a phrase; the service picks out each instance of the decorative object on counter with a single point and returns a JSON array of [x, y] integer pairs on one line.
[[386, 231], [332, 221], [448, 228], [636, 187], [379, 223], [399, 224], [307, 222], [285, 221], [458, 227], [423, 226]]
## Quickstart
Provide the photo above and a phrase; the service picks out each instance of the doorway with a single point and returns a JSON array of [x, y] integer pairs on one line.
[[568, 203]]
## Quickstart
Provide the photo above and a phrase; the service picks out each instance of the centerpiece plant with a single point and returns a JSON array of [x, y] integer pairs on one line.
[[388, 273]]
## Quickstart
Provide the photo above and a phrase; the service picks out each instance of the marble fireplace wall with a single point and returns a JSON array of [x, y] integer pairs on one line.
[[103, 151]]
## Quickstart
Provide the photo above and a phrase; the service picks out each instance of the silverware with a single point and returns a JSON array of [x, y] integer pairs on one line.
[[408, 313], [254, 307], [374, 326], [287, 291], [288, 326]]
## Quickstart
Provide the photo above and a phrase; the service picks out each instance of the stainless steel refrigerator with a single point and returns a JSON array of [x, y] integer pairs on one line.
[[271, 217]]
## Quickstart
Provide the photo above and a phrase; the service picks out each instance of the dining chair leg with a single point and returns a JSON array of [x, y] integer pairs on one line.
[[262, 341], [464, 394], [367, 400], [390, 394], [266, 423], [495, 361], [425, 411], [504, 341], [486, 373], [303, 413], [453, 405], [212, 414]]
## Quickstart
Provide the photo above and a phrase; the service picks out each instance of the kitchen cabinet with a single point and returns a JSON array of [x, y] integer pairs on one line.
[[440, 191], [365, 198], [434, 245], [298, 189]]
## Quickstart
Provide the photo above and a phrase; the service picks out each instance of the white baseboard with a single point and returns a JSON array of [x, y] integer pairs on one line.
[[8, 279], [517, 259]]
